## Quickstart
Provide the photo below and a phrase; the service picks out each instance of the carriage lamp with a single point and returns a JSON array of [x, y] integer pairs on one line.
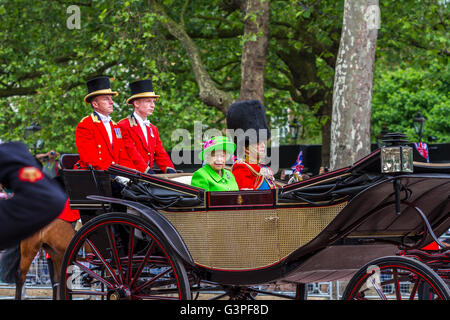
[[419, 122], [396, 155]]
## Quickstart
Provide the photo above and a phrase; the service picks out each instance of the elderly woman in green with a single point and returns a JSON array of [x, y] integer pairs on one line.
[[213, 176]]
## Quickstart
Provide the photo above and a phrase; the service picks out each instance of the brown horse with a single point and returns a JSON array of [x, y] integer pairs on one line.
[[54, 239]]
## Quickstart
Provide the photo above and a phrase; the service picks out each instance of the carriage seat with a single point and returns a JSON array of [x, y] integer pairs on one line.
[[68, 160], [178, 177], [159, 196], [157, 190]]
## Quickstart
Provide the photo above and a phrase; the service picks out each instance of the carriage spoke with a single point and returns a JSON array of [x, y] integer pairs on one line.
[[152, 280], [398, 294], [115, 254], [378, 289], [94, 275], [130, 255], [105, 263], [142, 265], [414, 289]]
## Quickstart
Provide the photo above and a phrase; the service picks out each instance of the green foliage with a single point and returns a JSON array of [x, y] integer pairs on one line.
[[50, 64], [399, 94], [412, 69]]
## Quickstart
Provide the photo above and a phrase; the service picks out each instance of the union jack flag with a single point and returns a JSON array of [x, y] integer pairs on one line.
[[422, 148], [298, 165]]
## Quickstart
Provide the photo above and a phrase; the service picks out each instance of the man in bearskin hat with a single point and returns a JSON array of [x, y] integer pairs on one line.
[[248, 121], [98, 139], [141, 137]]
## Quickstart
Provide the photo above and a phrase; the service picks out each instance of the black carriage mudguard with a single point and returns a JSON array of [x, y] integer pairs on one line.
[[163, 226]]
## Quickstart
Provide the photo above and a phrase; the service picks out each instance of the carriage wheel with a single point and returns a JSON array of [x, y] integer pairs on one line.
[[395, 278], [119, 256]]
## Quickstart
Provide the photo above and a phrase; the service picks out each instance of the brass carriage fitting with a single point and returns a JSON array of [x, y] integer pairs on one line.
[[271, 219], [396, 155]]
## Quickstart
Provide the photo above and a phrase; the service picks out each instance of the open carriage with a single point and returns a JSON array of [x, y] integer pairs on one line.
[[153, 237]]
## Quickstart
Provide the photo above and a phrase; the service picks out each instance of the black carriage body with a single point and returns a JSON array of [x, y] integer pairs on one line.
[[321, 229]]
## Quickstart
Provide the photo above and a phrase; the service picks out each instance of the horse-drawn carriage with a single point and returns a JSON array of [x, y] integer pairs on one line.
[[153, 237]]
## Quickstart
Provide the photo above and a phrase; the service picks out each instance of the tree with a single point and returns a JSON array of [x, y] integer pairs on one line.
[[303, 43], [305, 40], [44, 65], [400, 93], [133, 42], [412, 71], [352, 95], [208, 91], [254, 50], [255, 19]]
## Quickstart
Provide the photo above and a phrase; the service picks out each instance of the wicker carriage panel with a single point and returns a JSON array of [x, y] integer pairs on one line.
[[242, 239], [193, 230], [249, 239], [298, 226]]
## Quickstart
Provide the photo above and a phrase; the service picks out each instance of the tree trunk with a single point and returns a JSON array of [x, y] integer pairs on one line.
[[253, 64], [303, 72], [208, 91], [326, 133], [352, 94]]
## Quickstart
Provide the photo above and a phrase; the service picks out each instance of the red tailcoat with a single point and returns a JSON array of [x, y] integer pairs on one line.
[[68, 214], [248, 176], [142, 153], [94, 147]]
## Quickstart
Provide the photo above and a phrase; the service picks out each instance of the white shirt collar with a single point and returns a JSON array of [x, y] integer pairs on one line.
[[140, 120], [103, 118]]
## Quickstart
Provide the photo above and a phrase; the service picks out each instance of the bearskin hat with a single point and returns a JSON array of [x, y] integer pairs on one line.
[[248, 114]]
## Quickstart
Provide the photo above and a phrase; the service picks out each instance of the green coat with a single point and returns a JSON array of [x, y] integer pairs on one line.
[[206, 178]]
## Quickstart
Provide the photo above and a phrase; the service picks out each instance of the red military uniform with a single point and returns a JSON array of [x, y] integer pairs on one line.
[[249, 116], [144, 154], [95, 148], [68, 214], [252, 176]]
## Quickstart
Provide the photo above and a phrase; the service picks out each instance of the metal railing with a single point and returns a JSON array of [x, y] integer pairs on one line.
[[38, 278]]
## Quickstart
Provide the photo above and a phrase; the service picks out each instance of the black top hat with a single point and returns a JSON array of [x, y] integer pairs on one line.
[[98, 86], [141, 89], [248, 114]]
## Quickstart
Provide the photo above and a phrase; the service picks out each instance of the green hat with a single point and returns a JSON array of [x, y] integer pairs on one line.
[[217, 143]]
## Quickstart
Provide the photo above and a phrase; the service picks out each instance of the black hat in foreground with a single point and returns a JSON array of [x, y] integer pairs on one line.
[[141, 89], [98, 86]]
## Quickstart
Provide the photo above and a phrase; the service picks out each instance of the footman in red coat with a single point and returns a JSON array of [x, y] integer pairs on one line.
[[98, 139], [141, 137]]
